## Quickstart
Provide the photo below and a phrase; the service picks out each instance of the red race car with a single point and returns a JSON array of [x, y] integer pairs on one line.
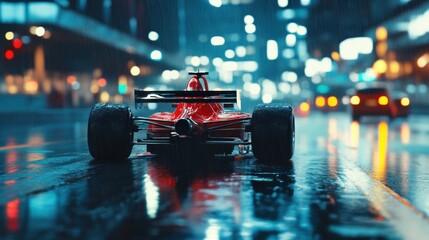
[[199, 123]]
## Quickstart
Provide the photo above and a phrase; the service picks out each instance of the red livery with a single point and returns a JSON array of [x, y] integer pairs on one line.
[[200, 121]]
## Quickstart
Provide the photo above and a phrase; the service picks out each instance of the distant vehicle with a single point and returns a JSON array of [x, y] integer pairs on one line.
[[326, 103], [199, 123], [376, 100], [329, 98]]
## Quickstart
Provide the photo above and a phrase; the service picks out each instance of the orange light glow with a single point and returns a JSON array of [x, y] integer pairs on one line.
[[380, 66], [405, 101], [31, 87], [304, 106], [335, 56], [102, 82], [381, 33], [12, 215], [355, 100], [71, 79], [320, 101], [383, 100], [332, 101]]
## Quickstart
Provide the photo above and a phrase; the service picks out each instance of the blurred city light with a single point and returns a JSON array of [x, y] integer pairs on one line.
[[76, 85], [217, 41], [229, 53], [251, 37], [288, 53], [283, 3], [204, 60], [272, 50], [25, 39], [418, 26], [352, 47], [230, 66], [305, 2], [302, 30], [153, 36], [314, 66], [335, 56], [304, 106], [292, 27], [423, 60], [267, 98], [248, 19], [247, 66], [156, 55], [290, 40], [31, 87], [135, 71], [102, 82], [405, 102], [217, 62], [320, 101], [104, 97], [332, 101], [195, 61], [40, 31], [9, 35], [216, 3], [254, 88], [240, 51], [355, 100], [122, 85], [17, 43], [71, 79], [9, 54], [284, 87], [380, 66], [381, 33], [289, 76], [383, 100], [250, 28]]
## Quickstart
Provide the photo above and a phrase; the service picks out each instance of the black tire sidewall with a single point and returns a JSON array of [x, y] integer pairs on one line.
[[110, 132], [273, 132]]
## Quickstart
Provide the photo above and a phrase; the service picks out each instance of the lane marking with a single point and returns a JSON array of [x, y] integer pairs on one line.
[[409, 222]]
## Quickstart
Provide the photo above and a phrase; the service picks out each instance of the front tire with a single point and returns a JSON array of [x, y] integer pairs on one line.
[[273, 132], [110, 132]]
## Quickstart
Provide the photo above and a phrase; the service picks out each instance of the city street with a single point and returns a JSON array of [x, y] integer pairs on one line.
[[358, 180]]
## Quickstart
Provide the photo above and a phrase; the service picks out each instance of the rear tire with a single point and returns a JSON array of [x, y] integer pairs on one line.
[[110, 132], [273, 132]]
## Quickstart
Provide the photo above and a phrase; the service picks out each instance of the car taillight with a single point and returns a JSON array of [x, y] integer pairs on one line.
[[332, 101], [304, 106], [383, 100], [405, 101], [320, 101], [355, 100]]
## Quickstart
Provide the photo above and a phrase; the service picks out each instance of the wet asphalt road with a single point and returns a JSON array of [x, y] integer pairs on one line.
[[346, 180]]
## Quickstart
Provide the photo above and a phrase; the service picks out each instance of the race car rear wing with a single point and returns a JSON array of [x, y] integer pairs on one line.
[[229, 96]]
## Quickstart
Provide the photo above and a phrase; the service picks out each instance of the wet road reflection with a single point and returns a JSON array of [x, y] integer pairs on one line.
[[51, 187]]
